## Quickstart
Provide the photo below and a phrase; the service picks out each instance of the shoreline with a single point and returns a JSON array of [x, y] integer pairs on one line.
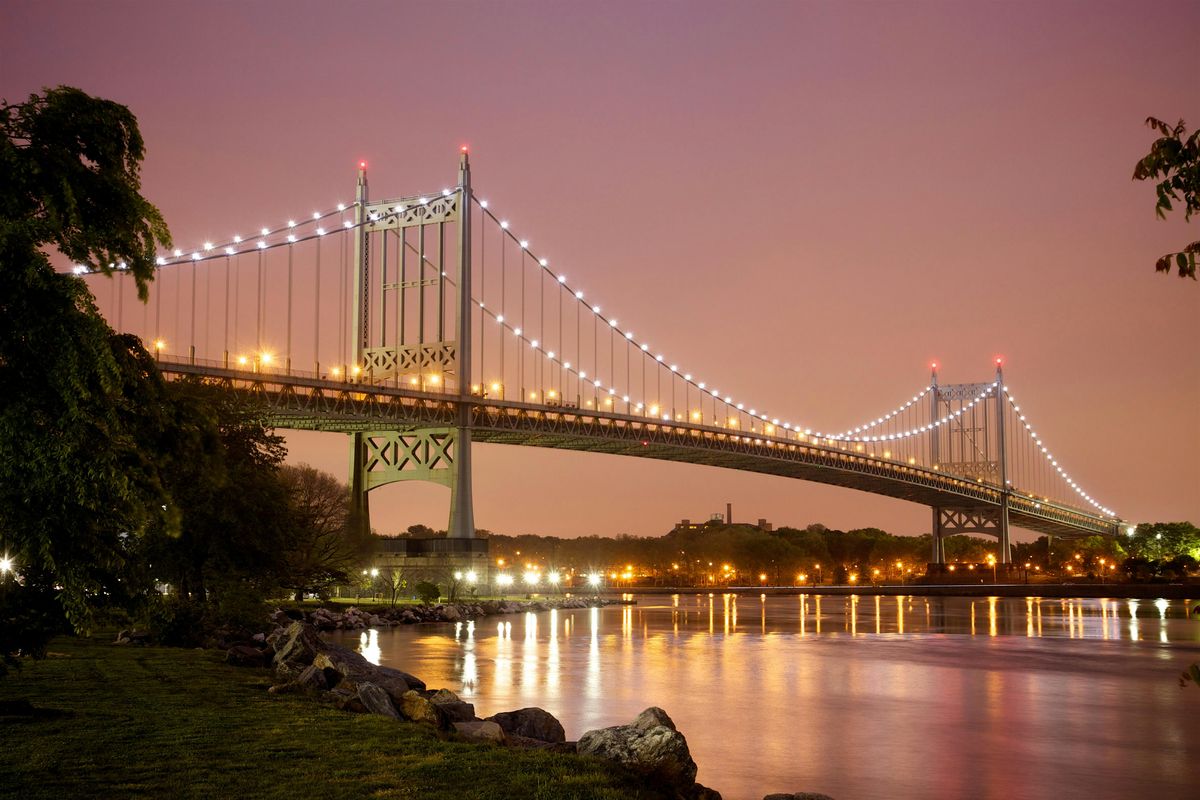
[[1174, 591]]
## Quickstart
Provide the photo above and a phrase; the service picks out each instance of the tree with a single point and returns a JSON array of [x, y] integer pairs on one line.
[[321, 547], [233, 507], [1176, 161], [75, 485]]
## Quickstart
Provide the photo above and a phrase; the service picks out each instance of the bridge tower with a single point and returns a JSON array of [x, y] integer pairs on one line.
[[972, 446], [401, 336]]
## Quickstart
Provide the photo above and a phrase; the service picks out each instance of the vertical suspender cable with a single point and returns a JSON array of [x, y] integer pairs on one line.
[[192, 351], [317, 314], [226, 360], [288, 362]]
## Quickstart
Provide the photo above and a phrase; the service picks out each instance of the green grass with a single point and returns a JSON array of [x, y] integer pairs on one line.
[[160, 722]]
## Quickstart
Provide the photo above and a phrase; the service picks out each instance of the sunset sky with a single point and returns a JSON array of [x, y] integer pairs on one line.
[[812, 201]]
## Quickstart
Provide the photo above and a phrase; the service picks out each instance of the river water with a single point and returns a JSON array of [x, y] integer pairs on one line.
[[856, 697]]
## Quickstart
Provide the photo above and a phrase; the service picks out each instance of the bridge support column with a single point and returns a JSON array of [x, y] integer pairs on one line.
[[360, 512], [436, 455], [938, 556], [462, 507], [990, 520]]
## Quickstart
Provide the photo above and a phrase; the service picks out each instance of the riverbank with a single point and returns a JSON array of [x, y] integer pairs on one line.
[[117, 721], [1132, 591]]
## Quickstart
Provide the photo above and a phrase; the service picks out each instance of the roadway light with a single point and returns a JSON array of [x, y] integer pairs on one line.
[[531, 578], [594, 579], [374, 572], [504, 579], [472, 577], [553, 578]]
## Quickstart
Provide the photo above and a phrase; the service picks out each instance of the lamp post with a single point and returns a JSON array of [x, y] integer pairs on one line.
[[991, 559]]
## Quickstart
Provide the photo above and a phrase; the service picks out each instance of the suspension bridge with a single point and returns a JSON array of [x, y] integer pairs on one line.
[[434, 325]]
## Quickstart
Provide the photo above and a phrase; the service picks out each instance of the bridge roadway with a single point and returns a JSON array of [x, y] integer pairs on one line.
[[302, 402]]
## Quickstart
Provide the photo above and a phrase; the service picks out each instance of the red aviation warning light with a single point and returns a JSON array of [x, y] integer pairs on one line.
[[463, 149], [362, 165]]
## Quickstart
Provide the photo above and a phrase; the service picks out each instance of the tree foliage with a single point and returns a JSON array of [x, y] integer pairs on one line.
[[1174, 161], [223, 477], [77, 489], [322, 547]]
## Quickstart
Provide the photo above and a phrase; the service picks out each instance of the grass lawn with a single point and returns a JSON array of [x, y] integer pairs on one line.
[[167, 723]]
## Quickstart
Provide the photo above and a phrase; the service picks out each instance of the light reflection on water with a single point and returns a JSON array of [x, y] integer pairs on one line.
[[858, 697]]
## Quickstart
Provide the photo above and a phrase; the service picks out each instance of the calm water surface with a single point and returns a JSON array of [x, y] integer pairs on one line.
[[857, 697]]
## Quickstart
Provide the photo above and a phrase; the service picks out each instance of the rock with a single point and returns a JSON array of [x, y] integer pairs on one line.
[[313, 677], [261, 638], [700, 792], [243, 655], [533, 723], [297, 648], [453, 709], [347, 699], [310, 679], [376, 700], [354, 668], [650, 746], [798, 796], [418, 709], [482, 731], [413, 681], [451, 614], [653, 717]]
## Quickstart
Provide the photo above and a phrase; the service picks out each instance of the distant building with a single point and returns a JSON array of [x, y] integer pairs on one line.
[[718, 520]]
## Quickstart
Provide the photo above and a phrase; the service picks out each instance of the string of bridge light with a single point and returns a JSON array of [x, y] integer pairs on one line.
[[629, 336], [237, 245], [1051, 459], [866, 426], [952, 417]]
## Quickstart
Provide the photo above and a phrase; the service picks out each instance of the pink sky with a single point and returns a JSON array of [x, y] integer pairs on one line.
[[811, 201]]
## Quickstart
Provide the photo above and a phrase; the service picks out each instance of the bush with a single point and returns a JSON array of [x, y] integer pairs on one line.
[[176, 623], [427, 592]]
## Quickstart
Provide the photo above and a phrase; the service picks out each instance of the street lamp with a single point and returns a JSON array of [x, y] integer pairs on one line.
[[991, 559]]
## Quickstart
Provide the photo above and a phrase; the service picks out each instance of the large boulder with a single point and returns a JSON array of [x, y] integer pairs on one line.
[[650, 746], [531, 723], [417, 708], [309, 679], [376, 700], [342, 665], [452, 708], [482, 731], [296, 648]]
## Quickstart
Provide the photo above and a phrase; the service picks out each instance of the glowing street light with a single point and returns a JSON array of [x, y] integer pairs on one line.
[[471, 577], [504, 579], [6, 565], [531, 578], [594, 580]]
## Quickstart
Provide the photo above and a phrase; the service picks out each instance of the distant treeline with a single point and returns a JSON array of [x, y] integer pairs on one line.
[[816, 549]]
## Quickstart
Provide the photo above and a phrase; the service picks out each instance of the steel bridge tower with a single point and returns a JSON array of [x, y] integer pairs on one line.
[[974, 447], [399, 271]]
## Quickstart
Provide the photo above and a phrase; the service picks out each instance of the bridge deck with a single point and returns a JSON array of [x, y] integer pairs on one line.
[[307, 403]]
